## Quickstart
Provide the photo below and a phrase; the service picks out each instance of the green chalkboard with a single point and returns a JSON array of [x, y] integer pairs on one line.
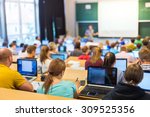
[[144, 13], [144, 29], [83, 26], [83, 14]]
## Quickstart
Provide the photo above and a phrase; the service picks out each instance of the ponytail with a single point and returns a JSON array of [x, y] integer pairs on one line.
[[48, 83]]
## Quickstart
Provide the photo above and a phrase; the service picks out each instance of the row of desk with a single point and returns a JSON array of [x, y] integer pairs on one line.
[[70, 74]]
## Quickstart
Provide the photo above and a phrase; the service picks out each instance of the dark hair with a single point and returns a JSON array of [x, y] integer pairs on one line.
[[84, 49], [133, 74], [43, 53], [138, 45], [12, 44], [109, 59], [56, 68], [22, 44], [24, 47], [77, 45], [30, 49], [132, 40], [144, 54], [113, 45], [145, 42]]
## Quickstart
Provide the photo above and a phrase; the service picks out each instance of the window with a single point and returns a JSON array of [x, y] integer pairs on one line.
[[21, 20]]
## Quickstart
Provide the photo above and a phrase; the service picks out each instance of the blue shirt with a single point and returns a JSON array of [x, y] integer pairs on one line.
[[114, 51], [63, 89]]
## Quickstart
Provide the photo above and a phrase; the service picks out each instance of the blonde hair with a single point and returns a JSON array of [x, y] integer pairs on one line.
[[52, 46], [96, 55]]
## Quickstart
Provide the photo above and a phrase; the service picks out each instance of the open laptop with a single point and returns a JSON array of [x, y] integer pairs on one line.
[[27, 68], [62, 49], [145, 83], [121, 64], [100, 81], [58, 56]]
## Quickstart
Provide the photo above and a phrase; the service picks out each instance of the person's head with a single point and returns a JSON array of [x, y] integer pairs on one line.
[[132, 40], [107, 42], [12, 45], [90, 27], [96, 54], [24, 47], [77, 45], [144, 55], [37, 38], [148, 46], [113, 45], [44, 54], [145, 42], [56, 71], [21, 45], [123, 48], [6, 57], [52, 46], [138, 46], [121, 39], [133, 74], [138, 37], [109, 59], [85, 50], [31, 51]]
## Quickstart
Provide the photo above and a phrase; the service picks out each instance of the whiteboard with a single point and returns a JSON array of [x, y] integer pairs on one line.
[[118, 18]]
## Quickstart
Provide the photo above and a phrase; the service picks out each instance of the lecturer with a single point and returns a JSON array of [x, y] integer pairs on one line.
[[90, 32]]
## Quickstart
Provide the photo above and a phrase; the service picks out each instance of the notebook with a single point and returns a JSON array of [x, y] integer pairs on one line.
[[100, 81], [58, 56], [121, 64], [27, 68], [145, 83]]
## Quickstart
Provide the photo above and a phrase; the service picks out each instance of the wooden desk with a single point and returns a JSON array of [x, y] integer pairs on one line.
[[71, 58], [10, 94], [72, 75]]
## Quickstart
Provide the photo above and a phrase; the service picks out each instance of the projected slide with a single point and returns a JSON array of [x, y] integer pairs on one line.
[[118, 18]]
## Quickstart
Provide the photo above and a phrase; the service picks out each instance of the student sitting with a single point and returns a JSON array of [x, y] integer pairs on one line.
[[31, 50], [109, 61], [54, 85], [77, 52], [44, 60], [53, 48], [9, 78], [13, 48], [131, 45], [85, 54], [129, 90], [138, 40], [95, 60], [112, 49], [23, 52]]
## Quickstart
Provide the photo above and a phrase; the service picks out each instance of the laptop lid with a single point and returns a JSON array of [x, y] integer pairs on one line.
[[121, 64], [27, 67], [102, 76], [58, 56], [145, 83]]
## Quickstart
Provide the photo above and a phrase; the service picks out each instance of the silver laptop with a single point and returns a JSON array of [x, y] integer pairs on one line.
[[121, 64], [27, 68], [100, 81], [145, 83]]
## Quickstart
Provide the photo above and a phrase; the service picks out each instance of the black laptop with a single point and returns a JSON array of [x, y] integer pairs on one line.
[[145, 83], [121, 64], [27, 68], [100, 81]]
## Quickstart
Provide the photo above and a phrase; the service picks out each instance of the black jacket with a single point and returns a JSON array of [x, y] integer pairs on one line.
[[127, 92]]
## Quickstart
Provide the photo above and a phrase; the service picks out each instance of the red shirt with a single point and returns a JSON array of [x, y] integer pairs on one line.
[[98, 63], [84, 57]]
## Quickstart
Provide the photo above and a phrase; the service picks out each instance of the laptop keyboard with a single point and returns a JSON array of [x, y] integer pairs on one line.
[[92, 91]]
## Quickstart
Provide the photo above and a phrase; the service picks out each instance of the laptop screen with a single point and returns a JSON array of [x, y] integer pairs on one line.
[[58, 56], [62, 48], [121, 64], [27, 67], [145, 83], [102, 76]]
